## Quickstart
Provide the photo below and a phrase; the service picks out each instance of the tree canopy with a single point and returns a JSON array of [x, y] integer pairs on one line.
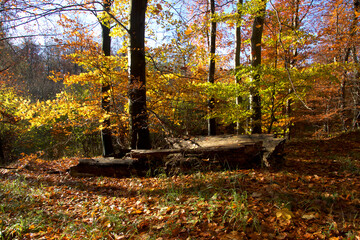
[[296, 68]]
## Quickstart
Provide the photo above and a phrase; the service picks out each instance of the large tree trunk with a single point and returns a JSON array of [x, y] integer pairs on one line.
[[211, 77], [139, 131], [105, 88], [255, 100], [239, 128]]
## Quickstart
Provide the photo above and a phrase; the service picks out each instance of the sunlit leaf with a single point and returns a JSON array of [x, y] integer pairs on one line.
[[284, 214]]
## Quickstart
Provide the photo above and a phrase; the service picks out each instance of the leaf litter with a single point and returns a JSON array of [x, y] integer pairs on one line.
[[316, 195]]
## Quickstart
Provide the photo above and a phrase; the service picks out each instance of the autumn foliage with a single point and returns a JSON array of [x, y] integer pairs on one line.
[[308, 74], [55, 76]]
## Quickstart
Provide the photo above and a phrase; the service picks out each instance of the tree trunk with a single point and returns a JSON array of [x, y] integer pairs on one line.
[[211, 77], [350, 48], [2, 156], [291, 64], [239, 128], [105, 88], [255, 100], [355, 89], [272, 111], [139, 130]]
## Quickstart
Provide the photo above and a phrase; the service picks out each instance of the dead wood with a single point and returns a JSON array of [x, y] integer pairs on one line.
[[229, 152]]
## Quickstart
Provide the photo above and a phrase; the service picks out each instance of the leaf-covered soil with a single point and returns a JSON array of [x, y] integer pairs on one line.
[[315, 196]]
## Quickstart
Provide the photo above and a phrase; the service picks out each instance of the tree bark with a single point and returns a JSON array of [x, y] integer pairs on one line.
[[211, 77], [292, 62], [105, 88], [139, 130], [350, 48], [239, 128], [255, 100], [2, 156], [356, 112]]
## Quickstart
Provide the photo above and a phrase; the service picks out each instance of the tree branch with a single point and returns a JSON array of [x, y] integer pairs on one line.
[[286, 67]]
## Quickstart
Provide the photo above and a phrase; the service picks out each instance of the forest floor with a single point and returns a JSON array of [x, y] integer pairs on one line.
[[315, 196]]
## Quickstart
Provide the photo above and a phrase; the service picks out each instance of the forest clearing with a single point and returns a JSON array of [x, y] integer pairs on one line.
[[316, 195], [92, 90]]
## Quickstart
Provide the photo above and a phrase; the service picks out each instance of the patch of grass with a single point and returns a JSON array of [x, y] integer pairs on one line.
[[237, 213], [351, 235], [284, 200], [172, 194], [21, 208], [349, 165]]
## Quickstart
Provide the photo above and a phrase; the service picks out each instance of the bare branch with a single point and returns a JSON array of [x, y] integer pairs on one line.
[[287, 67]]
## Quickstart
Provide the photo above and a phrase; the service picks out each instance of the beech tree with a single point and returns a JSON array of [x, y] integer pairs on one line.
[[352, 48], [139, 129], [185, 75], [105, 88], [239, 128], [211, 77], [255, 100]]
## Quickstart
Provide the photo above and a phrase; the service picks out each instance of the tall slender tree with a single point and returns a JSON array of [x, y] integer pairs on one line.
[[105, 88], [211, 76], [237, 58], [351, 48], [256, 36], [290, 60], [139, 130]]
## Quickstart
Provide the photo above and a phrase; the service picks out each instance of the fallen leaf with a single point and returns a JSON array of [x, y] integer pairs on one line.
[[284, 214], [256, 194], [143, 236], [309, 216], [281, 236], [320, 235]]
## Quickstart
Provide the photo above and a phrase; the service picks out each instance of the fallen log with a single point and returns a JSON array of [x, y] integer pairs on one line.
[[110, 167], [273, 148], [211, 153]]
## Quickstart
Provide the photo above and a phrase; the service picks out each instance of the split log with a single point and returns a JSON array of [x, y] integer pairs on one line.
[[273, 148], [234, 153], [213, 152]]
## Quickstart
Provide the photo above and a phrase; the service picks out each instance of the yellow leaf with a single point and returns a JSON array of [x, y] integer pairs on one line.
[[284, 214], [188, 31]]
